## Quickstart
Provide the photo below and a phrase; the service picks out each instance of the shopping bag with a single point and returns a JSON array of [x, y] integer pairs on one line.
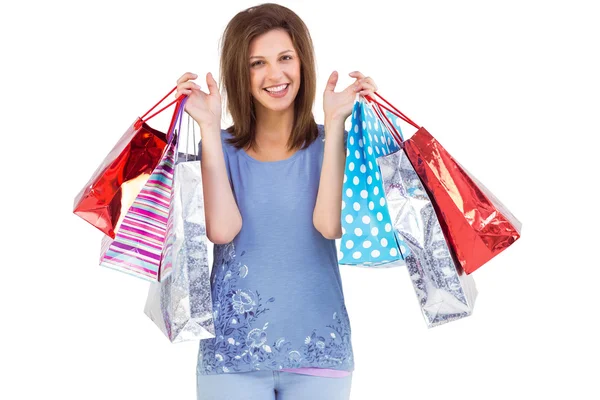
[[108, 194], [181, 303], [367, 239], [137, 246], [445, 293], [476, 224]]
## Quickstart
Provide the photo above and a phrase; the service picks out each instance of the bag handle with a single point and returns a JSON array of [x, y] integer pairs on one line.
[[177, 117], [143, 119], [392, 110], [190, 121], [385, 121], [194, 153], [379, 108], [162, 109]]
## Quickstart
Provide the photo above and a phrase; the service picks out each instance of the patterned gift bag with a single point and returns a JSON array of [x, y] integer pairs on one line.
[[368, 238], [137, 246], [181, 303]]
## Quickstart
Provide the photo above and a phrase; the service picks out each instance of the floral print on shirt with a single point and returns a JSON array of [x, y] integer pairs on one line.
[[242, 346]]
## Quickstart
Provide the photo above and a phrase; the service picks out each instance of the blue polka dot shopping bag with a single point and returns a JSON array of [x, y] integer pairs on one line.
[[368, 239]]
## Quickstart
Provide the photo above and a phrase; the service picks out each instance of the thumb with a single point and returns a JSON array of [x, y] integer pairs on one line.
[[331, 82], [212, 84]]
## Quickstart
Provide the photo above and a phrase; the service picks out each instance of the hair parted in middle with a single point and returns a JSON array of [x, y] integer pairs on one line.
[[235, 72]]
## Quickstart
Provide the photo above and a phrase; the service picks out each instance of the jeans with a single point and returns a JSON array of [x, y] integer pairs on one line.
[[272, 385]]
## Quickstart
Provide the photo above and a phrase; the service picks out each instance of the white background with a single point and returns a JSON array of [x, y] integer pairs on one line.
[[510, 88]]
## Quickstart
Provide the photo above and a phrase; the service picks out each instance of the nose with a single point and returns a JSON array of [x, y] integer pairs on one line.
[[274, 73]]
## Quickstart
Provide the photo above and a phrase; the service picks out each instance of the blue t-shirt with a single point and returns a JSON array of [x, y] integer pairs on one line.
[[277, 293]]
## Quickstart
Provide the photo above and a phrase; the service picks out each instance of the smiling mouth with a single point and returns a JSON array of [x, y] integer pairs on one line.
[[277, 89]]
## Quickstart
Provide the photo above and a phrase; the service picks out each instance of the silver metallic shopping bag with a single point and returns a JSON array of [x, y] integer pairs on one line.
[[444, 291], [181, 303]]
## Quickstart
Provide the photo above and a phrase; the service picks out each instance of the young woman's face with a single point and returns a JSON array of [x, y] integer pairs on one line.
[[274, 70]]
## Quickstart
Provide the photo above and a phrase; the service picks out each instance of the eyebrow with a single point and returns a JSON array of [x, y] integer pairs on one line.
[[285, 51]]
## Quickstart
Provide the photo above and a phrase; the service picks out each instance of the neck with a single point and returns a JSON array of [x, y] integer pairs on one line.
[[273, 128]]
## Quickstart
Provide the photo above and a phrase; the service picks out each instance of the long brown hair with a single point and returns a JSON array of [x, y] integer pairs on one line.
[[235, 73]]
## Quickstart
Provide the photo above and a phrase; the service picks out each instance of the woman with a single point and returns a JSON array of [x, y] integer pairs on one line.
[[272, 195]]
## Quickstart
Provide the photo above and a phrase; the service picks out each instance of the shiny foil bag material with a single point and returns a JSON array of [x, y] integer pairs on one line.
[[110, 191], [444, 291], [181, 303], [476, 224]]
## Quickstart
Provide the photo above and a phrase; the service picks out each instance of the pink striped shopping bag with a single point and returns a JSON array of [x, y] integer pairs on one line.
[[138, 243]]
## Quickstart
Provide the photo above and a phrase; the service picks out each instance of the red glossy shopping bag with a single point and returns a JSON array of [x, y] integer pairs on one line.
[[114, 185], [476, 224]]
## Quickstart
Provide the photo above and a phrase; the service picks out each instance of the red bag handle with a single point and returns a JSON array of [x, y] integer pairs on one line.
[[178, 100], [392, 110], [164, 108], [386, 121]]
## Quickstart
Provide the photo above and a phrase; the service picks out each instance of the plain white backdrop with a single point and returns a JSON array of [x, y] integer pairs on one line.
[[510, 88]]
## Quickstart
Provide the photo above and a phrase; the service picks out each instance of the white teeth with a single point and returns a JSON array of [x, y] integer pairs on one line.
[[276, 88]]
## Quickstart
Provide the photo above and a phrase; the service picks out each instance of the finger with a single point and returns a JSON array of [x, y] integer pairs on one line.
[[186, 92], [183, 92], [370, 81], [213, 88], [366, 86], [186, 77], [356, 74], [188, 85], [332, 82], [186, 88], [362, 85]]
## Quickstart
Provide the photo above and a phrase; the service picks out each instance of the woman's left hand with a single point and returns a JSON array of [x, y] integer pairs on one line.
[[339, 104]]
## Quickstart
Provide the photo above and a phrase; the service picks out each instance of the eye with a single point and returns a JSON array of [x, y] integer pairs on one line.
[[255, 63], [287, 57]]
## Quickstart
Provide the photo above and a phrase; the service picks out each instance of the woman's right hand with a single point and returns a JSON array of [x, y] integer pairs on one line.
[[204, 108]]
